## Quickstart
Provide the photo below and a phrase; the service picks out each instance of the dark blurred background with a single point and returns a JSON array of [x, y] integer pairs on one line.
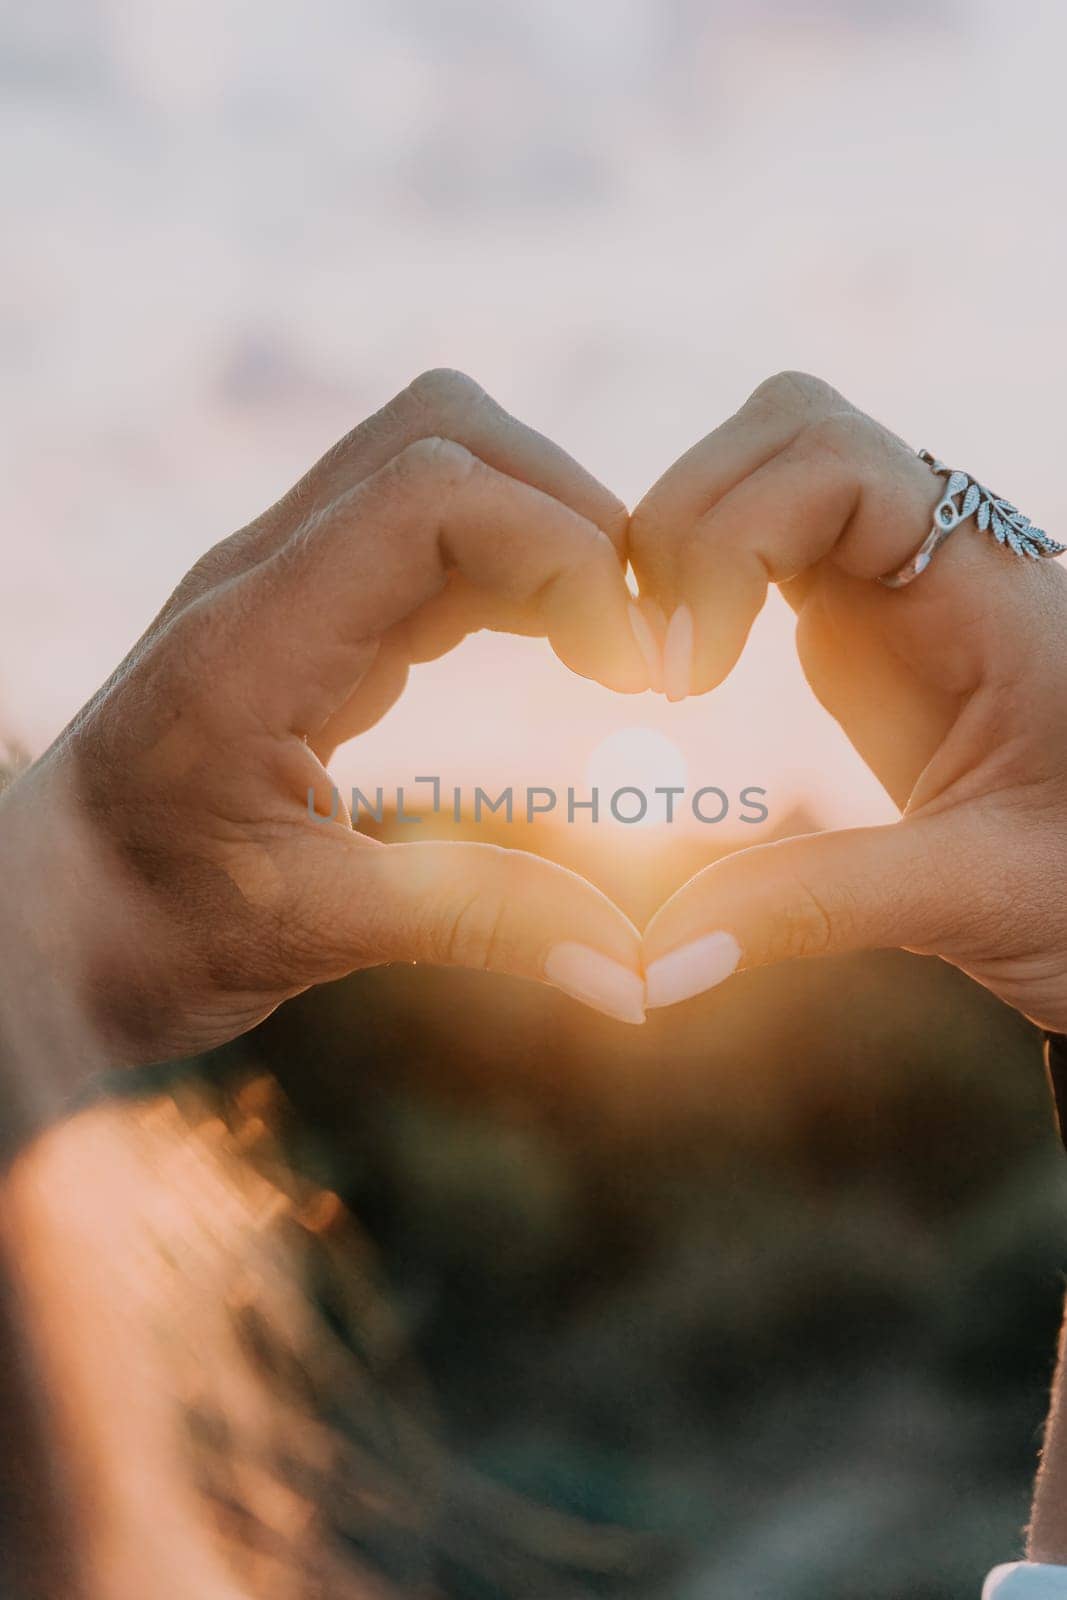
[[774, 1281]]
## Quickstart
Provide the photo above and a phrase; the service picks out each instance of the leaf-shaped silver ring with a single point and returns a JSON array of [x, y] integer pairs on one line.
[[965, 497]]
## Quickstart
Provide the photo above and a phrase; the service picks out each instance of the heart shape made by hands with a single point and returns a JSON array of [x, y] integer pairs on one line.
[[443, 515], [801, 489]]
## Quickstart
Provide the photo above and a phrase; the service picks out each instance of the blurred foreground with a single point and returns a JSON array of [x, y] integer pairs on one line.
[[473, 1291]]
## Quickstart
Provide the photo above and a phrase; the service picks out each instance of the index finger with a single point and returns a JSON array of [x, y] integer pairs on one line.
[[770, 419], [311, 618], [445, 404], [439, 404]]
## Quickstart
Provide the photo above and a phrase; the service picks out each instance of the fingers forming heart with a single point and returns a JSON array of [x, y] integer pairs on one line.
[[947, 689], [441, 538], [442, 515]]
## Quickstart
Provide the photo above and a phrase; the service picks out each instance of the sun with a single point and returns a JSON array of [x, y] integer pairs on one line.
[[641, 759]]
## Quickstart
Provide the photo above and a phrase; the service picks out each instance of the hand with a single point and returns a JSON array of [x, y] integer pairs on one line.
[[953, 690], [160, 860]]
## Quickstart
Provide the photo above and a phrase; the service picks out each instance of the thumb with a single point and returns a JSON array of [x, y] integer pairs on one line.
[[478, 905], [857, 889]]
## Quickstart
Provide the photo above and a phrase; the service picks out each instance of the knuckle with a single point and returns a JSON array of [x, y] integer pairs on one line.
[[224, 560], [800, 920], [338, 461], [806, 924], [843, 435], [793, 391], [308, 536], [195, 638], [474, 931], [433, 464], [442, 391], [185, 677], [840, 444]]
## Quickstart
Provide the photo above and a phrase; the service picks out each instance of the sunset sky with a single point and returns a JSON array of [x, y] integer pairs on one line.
[[225, 243]]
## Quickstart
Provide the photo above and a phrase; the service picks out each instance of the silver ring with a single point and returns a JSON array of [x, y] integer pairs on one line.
[[965, 497]]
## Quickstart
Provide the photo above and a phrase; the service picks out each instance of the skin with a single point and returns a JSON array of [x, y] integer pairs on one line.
[[953, 690], [169, 888], [180, 894]]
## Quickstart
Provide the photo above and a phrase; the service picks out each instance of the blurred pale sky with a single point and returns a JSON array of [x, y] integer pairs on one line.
[[233, 229]]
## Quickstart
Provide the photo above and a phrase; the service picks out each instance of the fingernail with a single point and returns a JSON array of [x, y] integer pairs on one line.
[[691, 969], [678, 654], [646, 643], [594, 978]]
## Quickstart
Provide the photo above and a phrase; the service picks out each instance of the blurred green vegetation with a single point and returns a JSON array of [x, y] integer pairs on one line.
[[775, 1279]]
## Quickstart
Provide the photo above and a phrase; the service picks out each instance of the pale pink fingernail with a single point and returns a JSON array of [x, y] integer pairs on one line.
[[678, 654], [652, 612], [647, 644], [691, 969], [594, 978]]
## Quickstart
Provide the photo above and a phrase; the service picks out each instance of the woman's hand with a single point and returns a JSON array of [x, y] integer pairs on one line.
[[160, 861], [953, 690]]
